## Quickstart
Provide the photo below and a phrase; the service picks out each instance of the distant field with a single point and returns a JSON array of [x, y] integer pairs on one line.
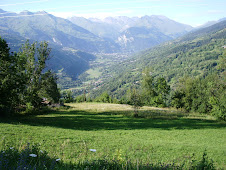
[[158, 135], [93, 73]]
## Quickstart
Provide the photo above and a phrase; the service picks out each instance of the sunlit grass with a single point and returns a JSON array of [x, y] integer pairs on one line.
[[94, 73], [70, 133]]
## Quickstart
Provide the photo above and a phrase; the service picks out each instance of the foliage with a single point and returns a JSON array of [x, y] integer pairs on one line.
[[203, 95], [104, 97], [162, 90], [177, 99], [79, 99], [67, 96], [196, 55], [154, 92], [24, 79], [8, 78], [136, 101], [148, 86]]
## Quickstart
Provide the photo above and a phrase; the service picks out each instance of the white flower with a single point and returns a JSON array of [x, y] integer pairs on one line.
[[3, 151], [57, 159], [41, 151], [11, 148], [33, 155], [93, 150]]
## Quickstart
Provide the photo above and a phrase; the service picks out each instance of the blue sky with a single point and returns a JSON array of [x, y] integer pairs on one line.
[[192, 12]]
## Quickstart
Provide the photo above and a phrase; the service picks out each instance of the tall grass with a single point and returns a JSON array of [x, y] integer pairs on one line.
[[31, 157]]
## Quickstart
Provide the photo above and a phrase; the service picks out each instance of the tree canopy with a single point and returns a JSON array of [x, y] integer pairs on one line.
[[24, 79]]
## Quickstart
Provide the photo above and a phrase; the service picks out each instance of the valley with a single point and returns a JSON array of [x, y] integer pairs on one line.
[[112, 85], [97, 74], [110, 54]]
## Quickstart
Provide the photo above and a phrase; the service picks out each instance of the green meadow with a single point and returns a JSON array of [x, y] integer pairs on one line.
[[157, 136]]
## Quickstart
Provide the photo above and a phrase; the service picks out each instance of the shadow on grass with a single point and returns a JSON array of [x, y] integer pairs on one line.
[[84, 120]]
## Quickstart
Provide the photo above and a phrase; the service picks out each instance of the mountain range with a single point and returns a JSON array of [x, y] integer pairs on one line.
[[42, 26], [197, 54], [73, 39], [113, 34], [136, 33]]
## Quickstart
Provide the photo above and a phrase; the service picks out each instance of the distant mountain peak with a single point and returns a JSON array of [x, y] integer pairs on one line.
[[26, 12], [2, 11], [42, 12]]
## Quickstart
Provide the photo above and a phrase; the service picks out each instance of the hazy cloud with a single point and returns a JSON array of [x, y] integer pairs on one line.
[[215, 11], [17, 16], [23, 3]]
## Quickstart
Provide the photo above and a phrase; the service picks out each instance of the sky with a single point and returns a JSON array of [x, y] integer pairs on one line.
[[192, 12]]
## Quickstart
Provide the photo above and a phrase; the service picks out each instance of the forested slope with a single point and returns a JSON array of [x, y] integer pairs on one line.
[[196, 54]]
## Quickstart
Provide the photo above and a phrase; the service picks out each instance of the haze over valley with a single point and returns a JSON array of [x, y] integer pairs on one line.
[[84, 49], [111, 84]]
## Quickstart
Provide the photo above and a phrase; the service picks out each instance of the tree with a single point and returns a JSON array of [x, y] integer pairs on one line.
[[34, 57], [148, 87], [217, 95], [49, 88], [7, 75], [154, 92], [135, 100], [177, 99], [67, 95], [162, 90], [24, 79], [104, 97]]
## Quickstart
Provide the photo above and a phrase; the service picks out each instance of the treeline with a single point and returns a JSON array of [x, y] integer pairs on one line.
[[203, 95], [206, 95], [25, 83]]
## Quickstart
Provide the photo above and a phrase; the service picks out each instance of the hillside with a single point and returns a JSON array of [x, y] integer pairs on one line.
[[68, 61], [195, 54], [140, 38]]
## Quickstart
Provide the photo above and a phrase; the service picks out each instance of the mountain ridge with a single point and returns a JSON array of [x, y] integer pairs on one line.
[[196, 54], [44, 26], [115, 28]]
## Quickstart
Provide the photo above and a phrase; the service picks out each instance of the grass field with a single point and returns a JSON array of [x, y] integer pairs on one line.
[[93, 73], [156, 136]]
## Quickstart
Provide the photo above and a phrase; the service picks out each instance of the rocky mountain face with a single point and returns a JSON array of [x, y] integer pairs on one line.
[[134, 34]]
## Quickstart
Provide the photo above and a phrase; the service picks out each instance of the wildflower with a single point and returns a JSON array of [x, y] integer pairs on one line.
[[11, 148], [33, 155], [57, 159], [93, 150], [3, 151], [41, 151]]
